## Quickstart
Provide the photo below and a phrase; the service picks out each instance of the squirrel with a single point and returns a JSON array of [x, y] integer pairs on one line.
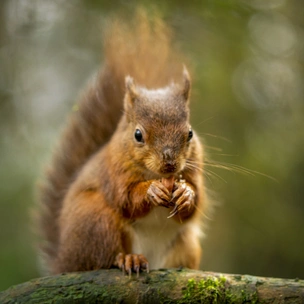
[[125, 186]]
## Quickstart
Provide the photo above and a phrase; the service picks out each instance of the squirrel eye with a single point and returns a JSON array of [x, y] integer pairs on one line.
[[190, 135], [138, 136]]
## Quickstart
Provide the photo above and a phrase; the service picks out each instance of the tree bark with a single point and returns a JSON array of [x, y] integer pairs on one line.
[[159, 286]]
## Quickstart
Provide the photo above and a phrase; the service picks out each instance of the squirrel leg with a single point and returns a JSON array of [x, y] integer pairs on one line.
[[92, 234]]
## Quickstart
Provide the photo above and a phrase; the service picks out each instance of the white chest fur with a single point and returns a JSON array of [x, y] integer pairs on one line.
[[153, 235]]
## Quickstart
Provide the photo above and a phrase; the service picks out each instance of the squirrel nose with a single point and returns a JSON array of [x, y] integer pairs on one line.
[[169, 167], [167, 154], [169, 162]]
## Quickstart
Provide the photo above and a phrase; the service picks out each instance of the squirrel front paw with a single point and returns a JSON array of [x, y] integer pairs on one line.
[[183, 198], [158, 194], [131, 262]]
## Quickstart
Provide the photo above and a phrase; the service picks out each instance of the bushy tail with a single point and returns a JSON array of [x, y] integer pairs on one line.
[[141, 49]]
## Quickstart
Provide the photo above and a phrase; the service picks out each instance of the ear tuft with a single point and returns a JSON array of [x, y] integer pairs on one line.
[[130, 87], [187, 84]]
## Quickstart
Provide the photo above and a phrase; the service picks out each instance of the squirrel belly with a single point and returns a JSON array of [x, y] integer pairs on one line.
[[154, 236], [125, 186]]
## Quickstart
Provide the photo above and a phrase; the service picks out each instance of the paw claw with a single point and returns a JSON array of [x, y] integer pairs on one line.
[[131, 262], [158, 194], [182, 198]]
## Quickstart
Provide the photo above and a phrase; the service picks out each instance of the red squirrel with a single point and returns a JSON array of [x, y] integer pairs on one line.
[[125, 186]]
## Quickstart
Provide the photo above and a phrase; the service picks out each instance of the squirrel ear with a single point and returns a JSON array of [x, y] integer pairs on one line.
[[130, 88], [187, 83]]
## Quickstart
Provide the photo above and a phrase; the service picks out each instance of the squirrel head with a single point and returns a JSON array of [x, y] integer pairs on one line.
[[158, 125]]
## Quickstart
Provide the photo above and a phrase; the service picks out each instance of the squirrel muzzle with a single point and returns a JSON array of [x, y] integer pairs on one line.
[[169, 162]]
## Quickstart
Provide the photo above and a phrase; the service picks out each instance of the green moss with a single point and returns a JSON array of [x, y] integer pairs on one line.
[[249, 297], [210, 290], [216, 290]]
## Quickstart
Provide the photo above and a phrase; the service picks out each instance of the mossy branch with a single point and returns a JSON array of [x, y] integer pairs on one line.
[[161, 286]]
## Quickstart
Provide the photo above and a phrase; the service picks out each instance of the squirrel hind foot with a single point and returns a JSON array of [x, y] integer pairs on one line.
[[129, 263]]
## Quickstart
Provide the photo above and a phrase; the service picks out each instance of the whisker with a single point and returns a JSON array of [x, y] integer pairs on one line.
[[230, 167], [213, 148], [193, 165], [190, 164], [223, 154], [216, 136], [202, 122], [211, 173], [206, 173], [237, 169], [200, 211]]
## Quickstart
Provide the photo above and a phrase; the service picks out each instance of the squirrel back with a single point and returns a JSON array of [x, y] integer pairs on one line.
[[141, 49]]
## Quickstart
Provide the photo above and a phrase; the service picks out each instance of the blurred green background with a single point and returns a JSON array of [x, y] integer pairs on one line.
[[248, 105]]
